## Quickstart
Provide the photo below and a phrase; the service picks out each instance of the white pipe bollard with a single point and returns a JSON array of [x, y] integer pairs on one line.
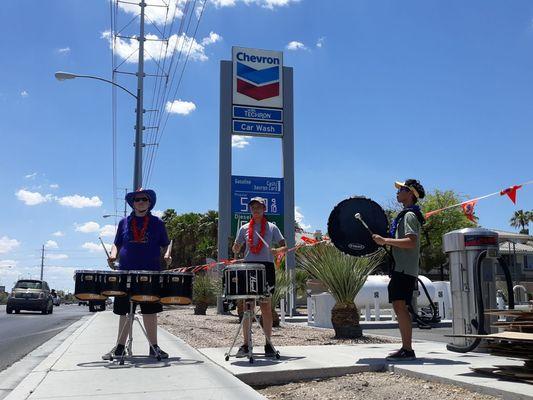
[[442, 309], [282, 309], [377, 316], [367, 313], [392, 314]]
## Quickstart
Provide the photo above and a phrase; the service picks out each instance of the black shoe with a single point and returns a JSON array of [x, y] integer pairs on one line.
[[243, 351], [162, 354], [115, 352], [269, 350], [402, 355]]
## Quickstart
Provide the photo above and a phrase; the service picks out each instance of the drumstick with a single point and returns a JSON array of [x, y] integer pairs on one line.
[[103, 245], [263, 240], [358, 217]]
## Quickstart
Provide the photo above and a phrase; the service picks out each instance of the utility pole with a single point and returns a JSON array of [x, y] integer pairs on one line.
[[125, 202], [139, 128], [42, 261]]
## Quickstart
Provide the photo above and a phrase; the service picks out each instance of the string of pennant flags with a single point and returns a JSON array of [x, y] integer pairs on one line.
[[307, 242], [469, 205]]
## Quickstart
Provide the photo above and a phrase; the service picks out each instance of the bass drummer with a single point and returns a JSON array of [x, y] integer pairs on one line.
[[257, 237], [405, 242], [138, 243]]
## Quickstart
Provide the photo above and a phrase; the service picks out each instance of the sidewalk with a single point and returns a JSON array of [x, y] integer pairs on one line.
[[434, 363], [75, 370]]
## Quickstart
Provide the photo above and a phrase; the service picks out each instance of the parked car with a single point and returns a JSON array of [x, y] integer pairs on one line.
[[32, 295]]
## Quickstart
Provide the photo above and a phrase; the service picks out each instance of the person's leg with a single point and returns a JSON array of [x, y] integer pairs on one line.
[[404, 323], [248, 306], [123, 330], [266, 313], [150, 324]]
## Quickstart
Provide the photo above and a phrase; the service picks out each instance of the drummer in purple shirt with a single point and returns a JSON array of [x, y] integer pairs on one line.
[[138, 243]]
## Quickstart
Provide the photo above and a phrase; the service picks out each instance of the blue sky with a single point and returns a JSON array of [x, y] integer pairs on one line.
[[383, 91]]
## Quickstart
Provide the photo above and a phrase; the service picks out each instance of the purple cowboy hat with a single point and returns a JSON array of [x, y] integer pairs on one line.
[[148, 192]]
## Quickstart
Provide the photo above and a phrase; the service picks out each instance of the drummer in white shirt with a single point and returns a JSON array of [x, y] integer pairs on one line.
[[257, 252]]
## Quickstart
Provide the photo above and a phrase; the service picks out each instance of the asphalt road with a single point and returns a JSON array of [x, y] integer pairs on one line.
[[22, 333]]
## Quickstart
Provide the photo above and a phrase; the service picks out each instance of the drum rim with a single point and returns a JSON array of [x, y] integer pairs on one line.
[[260, 267], [87, 271], [177, 273], [245, 296], [142, 272], [119, 272]]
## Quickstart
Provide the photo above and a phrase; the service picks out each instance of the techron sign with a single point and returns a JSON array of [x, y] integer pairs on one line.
[[257, 77]]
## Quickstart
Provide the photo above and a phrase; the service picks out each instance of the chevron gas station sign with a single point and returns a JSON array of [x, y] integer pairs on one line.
[[257, 77]]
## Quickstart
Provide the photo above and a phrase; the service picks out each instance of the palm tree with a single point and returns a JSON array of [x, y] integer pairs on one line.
[[521, 219], [344, 276]]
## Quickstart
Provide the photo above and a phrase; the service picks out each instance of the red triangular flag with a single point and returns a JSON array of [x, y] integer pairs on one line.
[[468, 209], [511, 192]]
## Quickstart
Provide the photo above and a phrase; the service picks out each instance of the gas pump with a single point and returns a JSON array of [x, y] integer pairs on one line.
[[473, 259]]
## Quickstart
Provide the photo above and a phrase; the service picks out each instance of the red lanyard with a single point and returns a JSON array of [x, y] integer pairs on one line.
[[138, 236], [256, 249]]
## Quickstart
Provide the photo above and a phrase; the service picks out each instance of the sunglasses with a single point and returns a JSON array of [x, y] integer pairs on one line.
[[404, 189], [137, 199]]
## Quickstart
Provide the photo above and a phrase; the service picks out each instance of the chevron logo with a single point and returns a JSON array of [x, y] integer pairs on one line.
[[258, 84]]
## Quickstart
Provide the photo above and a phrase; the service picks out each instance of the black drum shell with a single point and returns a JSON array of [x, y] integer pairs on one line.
[[348, 234], [145, 286], [114, 283], [87, 285], [244, 281], [176, 287]]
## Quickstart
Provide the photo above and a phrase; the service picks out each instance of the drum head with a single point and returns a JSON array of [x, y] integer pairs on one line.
[[348, 234]]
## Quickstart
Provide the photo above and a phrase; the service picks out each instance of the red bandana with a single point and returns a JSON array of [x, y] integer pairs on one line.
[[138, 235], [256, 249]]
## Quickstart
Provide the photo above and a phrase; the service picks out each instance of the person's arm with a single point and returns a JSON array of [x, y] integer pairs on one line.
[[115, 248], [411, 228], [408, 242], [239, 242], [278, 238]]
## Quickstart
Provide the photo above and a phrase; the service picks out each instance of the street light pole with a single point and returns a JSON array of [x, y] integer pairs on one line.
[[139, 128]]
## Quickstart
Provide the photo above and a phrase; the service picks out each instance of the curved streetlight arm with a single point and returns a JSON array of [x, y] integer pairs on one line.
[[61, 76]]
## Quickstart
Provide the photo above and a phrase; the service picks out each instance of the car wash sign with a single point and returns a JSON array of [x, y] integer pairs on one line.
[[257, 92]]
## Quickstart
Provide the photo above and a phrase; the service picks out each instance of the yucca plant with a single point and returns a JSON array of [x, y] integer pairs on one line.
[[282, 286], [344, 276], [204, 292]]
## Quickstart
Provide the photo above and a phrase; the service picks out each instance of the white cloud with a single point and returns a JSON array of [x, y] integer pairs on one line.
[[320, 42], [7, 244], [158, 213], [270, 4], [64, 50], [77, 201], [299, 217], [8, 263], [95, 247], [88, 227], [108, 231], [240, 142], [294, 45], [31, 176], [32, 198], [54, 186], [154, 48], [53, 256], [58, 234], [51, 244], [180, 107], [24, 93], [212, 38], [157, 13]]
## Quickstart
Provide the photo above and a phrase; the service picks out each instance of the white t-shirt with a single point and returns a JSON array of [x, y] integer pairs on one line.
[[272, 235]]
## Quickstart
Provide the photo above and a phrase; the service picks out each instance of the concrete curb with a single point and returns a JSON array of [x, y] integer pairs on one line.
[[65, 338], [465, 385]]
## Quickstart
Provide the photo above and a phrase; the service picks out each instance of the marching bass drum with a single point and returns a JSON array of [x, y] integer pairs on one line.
[[348, 234]]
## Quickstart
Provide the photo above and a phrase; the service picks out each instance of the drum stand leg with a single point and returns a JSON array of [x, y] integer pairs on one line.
[[250, 316], [132, 317]]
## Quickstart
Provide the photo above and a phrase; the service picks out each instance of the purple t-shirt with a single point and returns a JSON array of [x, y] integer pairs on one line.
[[143, 255]]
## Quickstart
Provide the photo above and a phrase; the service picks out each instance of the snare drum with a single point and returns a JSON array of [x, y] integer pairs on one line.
[[144, 286], [87, 285], [244, 281], [176, 287], [113, 283]]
